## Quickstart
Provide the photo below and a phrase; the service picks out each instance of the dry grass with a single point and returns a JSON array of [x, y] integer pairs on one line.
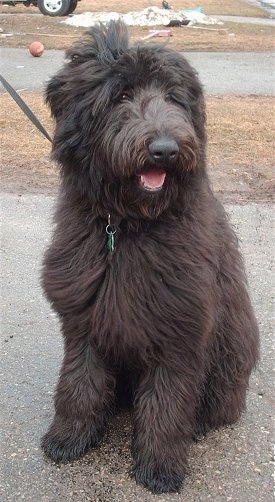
[[241, 146], [228, 37], [25, 153], [240, 153], [241, 131]]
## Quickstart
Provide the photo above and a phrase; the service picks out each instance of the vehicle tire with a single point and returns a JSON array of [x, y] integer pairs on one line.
[[54, 7], [72, 6]]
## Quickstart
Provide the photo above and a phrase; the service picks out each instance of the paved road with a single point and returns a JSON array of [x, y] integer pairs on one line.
[[220, 73], [233, 464], [247, 20]]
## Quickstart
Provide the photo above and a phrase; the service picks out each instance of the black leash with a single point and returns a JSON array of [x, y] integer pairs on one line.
[[24, 107]]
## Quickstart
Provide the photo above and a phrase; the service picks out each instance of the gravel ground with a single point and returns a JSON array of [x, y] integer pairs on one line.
[[232, 464]]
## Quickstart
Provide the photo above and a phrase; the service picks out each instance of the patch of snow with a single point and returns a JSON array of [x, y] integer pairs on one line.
[[151, 16], [196, 17]]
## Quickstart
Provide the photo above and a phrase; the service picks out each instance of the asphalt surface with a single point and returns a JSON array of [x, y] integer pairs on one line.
[[220, 72], [247, 20], [233, 464]]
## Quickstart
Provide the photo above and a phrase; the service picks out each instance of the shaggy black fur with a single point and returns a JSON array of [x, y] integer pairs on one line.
[[165, 317]]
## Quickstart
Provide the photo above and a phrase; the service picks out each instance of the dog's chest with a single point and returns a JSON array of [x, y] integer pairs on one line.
[[124, 310], [141, 298]]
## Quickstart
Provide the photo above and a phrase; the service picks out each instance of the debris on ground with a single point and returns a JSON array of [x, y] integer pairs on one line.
[[151, 16]]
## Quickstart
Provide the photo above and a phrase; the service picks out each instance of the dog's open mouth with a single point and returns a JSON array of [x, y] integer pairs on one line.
[[152, 180]]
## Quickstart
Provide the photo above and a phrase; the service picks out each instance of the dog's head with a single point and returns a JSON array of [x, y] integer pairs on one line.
[[130, 132]]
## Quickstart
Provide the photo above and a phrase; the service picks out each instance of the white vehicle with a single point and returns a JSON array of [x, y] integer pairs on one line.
[[48, 7]]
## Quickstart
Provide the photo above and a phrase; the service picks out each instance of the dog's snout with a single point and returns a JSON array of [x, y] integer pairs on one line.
[[164, 150]]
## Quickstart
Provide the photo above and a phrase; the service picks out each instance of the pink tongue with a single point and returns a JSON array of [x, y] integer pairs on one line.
[[153, 179]]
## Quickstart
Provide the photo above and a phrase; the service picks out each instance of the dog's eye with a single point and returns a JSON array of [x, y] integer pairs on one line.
[[126, 95]]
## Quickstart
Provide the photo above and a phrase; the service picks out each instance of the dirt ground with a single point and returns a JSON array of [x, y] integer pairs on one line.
[[240, 129], [240, 148]]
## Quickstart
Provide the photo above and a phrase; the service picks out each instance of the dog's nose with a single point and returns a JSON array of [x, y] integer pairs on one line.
[[164, 150]]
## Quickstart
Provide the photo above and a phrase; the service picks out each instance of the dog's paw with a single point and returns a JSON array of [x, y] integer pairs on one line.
[[68, 440], [200, 431], [158, 479], [64, 450]]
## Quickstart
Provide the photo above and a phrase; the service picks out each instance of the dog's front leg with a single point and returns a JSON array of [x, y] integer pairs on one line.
[[83, 399], [164, 417]]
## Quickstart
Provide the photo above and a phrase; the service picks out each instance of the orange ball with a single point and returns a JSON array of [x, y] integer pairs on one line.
[[36, 49]]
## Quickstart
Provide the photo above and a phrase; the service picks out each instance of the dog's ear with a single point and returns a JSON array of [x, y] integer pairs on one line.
[[85, 64], [55, 96]]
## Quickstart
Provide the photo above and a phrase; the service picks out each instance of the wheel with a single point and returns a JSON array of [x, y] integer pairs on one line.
[[54, 7], [72, 6]]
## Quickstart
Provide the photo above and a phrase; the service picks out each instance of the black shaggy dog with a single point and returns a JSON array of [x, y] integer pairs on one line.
[[143, 269]]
